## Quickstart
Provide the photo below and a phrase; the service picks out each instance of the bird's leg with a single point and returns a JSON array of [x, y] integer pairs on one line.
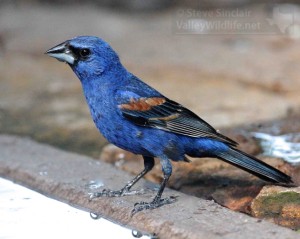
[[148, 165], [158, 201]]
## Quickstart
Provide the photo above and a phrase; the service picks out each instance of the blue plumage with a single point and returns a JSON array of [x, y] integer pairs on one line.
[[137, 118]]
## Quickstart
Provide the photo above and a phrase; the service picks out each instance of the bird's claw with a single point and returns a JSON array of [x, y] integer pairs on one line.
[[107, 193], [117, 193], [140, 206]]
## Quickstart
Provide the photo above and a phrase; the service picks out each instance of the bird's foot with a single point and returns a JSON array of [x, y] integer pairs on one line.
[[157, 202], [117, 193]]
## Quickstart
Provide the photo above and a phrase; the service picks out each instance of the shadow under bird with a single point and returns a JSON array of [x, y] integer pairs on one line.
[[133, 116]]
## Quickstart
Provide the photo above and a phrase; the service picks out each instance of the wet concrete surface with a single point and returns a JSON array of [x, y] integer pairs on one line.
[[66, 176]]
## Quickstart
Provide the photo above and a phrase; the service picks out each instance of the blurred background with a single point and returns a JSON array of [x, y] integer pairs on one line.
[[233, 62]]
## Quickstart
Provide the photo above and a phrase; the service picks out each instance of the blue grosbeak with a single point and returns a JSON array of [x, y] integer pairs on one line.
[[135, 117]]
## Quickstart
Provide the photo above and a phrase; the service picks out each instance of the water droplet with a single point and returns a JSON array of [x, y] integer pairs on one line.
[[43, 173], [137, 234], [95, 216], [119, 163], [94, 184], [121, 156]]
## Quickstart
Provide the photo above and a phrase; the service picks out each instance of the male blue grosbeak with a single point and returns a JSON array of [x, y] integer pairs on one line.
[[135, 117]]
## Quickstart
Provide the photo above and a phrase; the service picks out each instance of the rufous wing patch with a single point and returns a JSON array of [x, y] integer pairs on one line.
[[142, 104]]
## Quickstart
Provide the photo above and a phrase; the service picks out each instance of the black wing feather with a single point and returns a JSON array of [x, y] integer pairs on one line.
[[173, 117]]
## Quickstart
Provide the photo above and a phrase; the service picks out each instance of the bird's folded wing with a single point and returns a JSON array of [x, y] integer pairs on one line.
[[162, 113]]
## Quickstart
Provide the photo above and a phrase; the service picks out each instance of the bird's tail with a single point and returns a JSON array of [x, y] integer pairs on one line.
[[254, 166]]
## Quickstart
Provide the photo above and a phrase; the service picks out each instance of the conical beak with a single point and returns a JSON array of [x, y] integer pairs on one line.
[[62, 53]]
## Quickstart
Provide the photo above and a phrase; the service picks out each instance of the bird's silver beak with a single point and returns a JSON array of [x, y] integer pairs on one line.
[[62, 53]]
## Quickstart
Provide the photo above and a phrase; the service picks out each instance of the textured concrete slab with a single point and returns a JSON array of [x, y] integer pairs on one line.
[[66, 176]]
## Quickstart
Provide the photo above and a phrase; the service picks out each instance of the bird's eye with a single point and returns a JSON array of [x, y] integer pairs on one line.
[[84, 52]]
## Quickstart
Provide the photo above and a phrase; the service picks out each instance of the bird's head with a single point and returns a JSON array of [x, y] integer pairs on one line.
[[86, 55]]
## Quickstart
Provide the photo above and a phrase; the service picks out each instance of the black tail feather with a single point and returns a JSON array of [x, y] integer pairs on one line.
[[254, 166]]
